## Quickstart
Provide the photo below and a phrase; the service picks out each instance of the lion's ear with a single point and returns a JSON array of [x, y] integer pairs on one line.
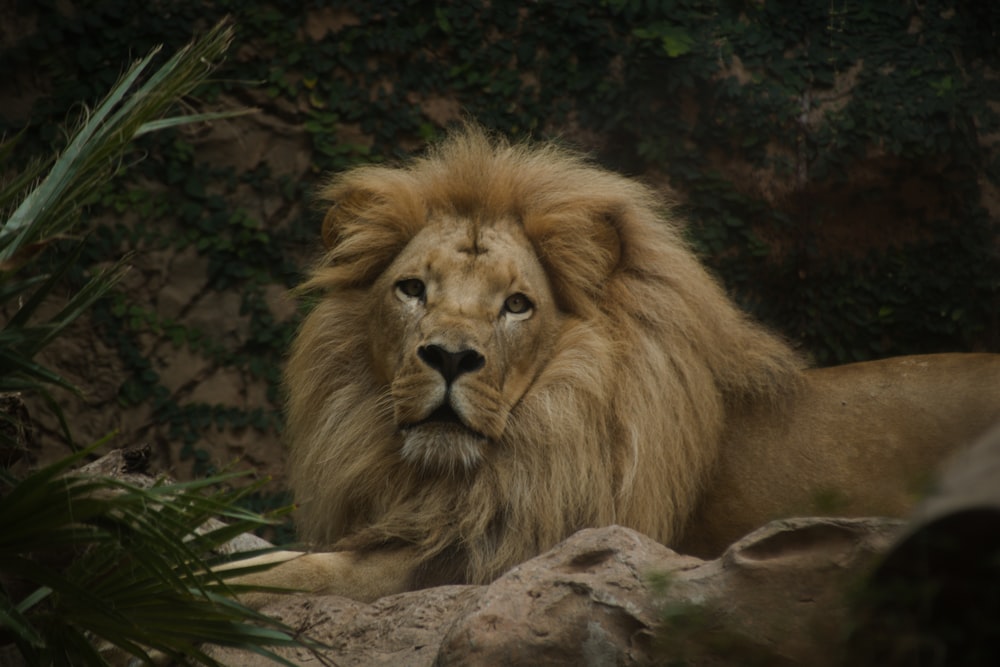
[[345, 207], [368, 222], [607, 234], [329, 232], [580, 250], [597, 242]]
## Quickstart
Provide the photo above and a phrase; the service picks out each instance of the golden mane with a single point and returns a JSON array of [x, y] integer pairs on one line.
[[621, 426]]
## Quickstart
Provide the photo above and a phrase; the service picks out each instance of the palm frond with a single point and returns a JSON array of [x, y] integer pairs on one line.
[[88, 561], [100, 558], [46, 198], [95, 148]]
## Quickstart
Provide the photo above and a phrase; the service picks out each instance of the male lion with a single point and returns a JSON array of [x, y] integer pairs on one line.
[[512, 344]]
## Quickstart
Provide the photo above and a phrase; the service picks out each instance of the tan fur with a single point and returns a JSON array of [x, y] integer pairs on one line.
[[855, 440], [633, 393]]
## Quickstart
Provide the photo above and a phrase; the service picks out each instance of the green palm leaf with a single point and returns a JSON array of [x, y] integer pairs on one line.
[[100, 558], [49, 211], [89, 563]]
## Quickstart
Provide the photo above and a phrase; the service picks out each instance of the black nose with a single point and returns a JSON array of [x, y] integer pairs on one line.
[[451, 364]]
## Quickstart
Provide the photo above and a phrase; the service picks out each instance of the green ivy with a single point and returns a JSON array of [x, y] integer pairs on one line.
[[687, 89]]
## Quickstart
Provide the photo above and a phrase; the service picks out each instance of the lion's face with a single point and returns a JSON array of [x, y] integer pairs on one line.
[[510, 344], [464, 321]]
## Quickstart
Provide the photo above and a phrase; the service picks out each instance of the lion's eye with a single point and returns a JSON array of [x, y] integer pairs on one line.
[[411, 288], [517, 304]]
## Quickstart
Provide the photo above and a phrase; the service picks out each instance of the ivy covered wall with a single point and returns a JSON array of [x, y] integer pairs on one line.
[[836, 161]]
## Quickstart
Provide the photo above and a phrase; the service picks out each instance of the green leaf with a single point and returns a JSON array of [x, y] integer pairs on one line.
[[675, 40], [165, 123], [95, 148], [103, 560], [137, 575]]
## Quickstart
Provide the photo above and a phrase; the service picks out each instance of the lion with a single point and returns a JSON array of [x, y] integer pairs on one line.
[[511, 344]]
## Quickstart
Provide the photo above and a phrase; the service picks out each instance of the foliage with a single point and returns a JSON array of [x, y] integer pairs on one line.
[[882, 123], [91, 563], [44, 202], [833, 158], [88, 563]]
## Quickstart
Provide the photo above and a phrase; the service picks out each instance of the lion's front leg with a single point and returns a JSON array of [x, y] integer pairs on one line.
[[360, 576]]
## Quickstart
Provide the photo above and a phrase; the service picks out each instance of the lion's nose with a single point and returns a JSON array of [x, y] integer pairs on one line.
[[451, 364]]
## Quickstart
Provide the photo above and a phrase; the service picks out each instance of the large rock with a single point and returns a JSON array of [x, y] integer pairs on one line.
[[612, 596], [586, 602], [935, 598]]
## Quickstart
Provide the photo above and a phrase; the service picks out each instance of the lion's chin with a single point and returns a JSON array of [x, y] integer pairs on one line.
[[442, 446]]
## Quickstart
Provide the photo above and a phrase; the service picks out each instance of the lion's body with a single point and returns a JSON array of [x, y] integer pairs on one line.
[[512, 345], [855, 440]]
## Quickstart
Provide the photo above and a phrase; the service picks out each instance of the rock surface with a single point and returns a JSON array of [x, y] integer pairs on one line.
[[935, 598], [611, 596]]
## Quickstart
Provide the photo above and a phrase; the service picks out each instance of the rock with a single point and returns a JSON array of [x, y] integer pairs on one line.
[[779, 596], [397, 631], [130, 465], [935, 598], [611, 596], [17, 431], [585, 602]]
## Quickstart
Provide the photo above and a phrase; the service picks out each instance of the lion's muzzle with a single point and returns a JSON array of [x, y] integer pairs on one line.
[[445, 406]]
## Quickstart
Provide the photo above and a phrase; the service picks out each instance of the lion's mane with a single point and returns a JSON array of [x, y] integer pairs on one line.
[[622, 426]]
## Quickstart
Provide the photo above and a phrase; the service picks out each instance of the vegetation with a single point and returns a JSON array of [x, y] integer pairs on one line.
[[89, 564], [44, 201], [92, 564]]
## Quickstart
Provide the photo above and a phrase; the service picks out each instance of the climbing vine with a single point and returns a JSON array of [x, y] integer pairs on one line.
[[835, 160]]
